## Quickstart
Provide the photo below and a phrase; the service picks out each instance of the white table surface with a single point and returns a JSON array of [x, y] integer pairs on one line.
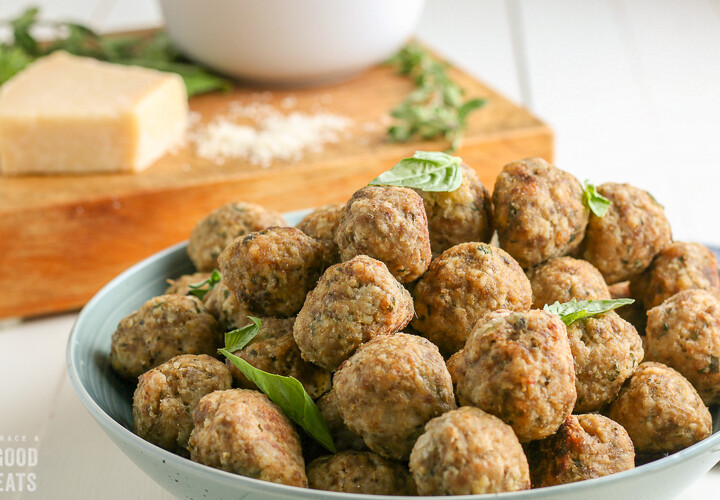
[[631, 88]]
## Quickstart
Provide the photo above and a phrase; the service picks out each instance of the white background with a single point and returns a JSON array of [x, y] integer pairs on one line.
[[630, 87]]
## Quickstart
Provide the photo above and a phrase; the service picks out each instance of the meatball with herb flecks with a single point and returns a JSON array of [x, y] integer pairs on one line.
[[165, 326], [167, 395], [272, 271], [518, 366], [321, 224], [243, 432], [217, 230], [623, 242], [563, 278], [361, 472], [390, 388], [462, 285], [344, 438], [181, 285], [458, 216], [660, 410], [684, 333], [387, 223], [225, 306], [468, 452], [353, 302], [539, 212], [679, 266], [584, 447]]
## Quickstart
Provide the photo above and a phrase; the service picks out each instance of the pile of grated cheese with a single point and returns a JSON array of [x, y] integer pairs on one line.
[[260, 134]]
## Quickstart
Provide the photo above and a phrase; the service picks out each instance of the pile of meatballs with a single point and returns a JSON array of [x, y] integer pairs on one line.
[[424, 342]]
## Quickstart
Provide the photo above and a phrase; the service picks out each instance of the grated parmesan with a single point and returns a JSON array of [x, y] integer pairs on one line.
[[270, 135]]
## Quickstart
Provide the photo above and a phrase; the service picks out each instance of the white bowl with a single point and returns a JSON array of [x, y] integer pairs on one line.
[[290, 42]]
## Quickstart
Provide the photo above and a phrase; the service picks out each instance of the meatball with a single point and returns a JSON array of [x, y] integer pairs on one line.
[[162, 328], [518, 367], [272, 271], [584, 447], [563, 278], [353, 302], [321, 225], [684, 333], [660, 410], [632, 313], [458, 216], [167, 395], [360, 472], [181, 286], [344, 438], [606, 350], [390, 388], [243, 432], [539, 211], [389, 224], [273, 350], [217, 230], [467, 452], [633, 231], [462, 285], [679, 266], [225, 306]]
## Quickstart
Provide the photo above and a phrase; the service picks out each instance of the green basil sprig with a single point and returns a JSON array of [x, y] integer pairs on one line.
[[574, 310], [201, 289], [426, 170], [596, 202], [286, 392]]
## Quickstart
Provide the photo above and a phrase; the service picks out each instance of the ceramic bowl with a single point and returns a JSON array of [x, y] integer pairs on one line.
[[290, 42], [108, 399]]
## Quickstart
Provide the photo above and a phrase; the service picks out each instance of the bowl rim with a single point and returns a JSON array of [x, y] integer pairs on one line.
[[109, 424]]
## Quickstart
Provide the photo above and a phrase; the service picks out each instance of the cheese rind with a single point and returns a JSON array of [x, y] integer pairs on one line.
[[68, 114]]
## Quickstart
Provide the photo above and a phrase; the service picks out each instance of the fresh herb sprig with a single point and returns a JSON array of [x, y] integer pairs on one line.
[[574, 310], [436, 107], [201, 289], [153, 51], [596, 202], [426, 170], [287, 392]]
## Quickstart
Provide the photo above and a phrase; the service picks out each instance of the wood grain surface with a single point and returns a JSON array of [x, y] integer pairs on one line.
[[63, 237]]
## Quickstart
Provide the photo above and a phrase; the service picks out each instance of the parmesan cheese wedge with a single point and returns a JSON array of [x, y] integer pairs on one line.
[[68, 114]]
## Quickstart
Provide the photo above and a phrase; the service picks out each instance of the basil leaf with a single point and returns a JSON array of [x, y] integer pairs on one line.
[[237, 339], [574, 310], [596, 202], [428, 171], [199, 290], [12, 61], [290, 395]]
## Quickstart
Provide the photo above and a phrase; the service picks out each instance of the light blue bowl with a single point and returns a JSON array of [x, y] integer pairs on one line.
[[108, 399]]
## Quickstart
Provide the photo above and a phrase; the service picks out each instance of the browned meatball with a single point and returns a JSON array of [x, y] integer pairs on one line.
[[272, 271], [518, 367], [181, 285], [162, 328], [633, 231], [344, 438], [243, 432], [459, 216], [467, 452], [217, 230], [660, 410], [390, 388], [353, 302], [389, 224], [225, 306], [563, 278], [360, 472], [684, 333], [679, 266], [462, 285], [166, 397], [273, 350], [606, 350], [539, 211], [321, 225], [584, 447], [632, 313]]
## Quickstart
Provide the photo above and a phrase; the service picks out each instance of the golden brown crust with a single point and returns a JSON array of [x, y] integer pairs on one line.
[[563, 279], [321, 225], [343, 437], [181, 285]]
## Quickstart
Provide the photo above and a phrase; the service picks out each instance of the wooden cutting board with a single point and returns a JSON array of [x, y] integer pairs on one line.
[[63, 237]]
